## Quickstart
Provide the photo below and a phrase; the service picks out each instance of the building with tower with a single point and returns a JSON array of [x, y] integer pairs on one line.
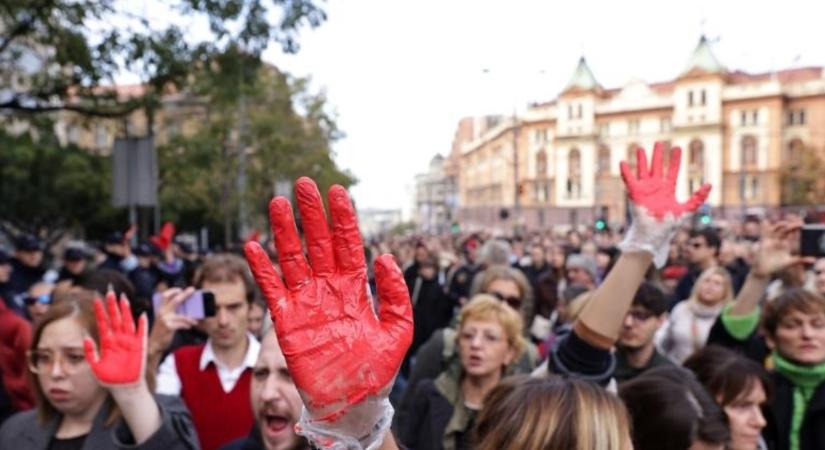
[[746, 133]]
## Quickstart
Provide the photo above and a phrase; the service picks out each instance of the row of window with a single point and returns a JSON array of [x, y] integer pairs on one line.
[[749, 151], [746, 118]]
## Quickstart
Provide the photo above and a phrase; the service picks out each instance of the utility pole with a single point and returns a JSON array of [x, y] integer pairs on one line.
[[516, 199], [242, 228]]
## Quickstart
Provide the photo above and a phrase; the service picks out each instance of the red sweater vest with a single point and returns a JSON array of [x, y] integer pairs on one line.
[[219, 416]]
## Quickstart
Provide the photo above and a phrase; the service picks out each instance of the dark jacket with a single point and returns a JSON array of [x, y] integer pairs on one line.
[[433, 422], [23, 277], [625, 372], [779, 413], [24, 431], [253, 441]]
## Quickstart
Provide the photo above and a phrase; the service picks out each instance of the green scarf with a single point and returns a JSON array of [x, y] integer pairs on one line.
[[805, 379]]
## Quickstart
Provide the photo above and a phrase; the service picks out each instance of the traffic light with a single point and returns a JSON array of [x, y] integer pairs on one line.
[[601, 224], [704, 215]]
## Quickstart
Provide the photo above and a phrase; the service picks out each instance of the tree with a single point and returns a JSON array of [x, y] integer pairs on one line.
[[286, 132], [47, 189], [801, 178], [62, 54]]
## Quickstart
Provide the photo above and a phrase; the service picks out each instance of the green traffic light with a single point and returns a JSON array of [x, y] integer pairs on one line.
[[705, 219], [600, 225]]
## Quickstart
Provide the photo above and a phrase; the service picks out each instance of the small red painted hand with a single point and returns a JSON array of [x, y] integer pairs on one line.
[[338, 351], [655, 192], [122, 357], [656, 213]]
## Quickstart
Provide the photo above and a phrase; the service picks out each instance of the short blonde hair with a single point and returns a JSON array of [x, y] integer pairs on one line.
[[488, 308]]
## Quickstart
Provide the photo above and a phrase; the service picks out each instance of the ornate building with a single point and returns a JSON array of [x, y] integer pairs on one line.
[[559, 162]]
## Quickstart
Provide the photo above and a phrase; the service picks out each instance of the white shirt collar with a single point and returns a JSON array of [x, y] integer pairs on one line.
[[249, 359]]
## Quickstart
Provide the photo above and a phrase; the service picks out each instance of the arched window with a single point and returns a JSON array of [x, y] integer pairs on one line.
[[696, 165], [748, 152], [794, 152], [541, 164], [631, 156], [604, 159], [696, 152], [574, 161]]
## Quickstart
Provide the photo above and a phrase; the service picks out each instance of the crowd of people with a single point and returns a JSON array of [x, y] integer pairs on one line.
[[665, 334]]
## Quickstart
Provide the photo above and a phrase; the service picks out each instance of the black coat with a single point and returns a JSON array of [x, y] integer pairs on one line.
[[428, 419], [779, 415], [23, 277], [779, 412]]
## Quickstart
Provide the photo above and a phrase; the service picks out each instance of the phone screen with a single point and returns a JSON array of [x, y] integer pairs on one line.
[[812, 241], [199, 305]]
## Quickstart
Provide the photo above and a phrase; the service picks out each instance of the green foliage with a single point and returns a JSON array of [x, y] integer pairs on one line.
[[287, 132], [60, 52], [47, 189]]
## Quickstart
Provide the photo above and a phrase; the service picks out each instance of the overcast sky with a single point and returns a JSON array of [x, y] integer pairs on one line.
[[401, 74]]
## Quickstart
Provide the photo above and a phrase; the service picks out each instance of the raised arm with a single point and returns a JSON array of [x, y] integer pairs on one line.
[[121, 365], [341, 354], [773, 255], [656, 218]]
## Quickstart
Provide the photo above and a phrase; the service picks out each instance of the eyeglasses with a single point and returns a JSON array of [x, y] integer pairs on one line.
[[513, 302], [45, 299], [640, 315], [43, 361]]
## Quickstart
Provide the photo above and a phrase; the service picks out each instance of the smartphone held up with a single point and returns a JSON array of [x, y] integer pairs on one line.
[[199, 305]]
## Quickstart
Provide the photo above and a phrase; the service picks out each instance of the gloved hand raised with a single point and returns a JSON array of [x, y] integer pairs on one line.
[[122, 358], [656, 212], [341, 355]]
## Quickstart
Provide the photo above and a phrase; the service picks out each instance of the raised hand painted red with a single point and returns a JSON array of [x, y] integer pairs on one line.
[[655, 191], [337, 350], [122, 348]]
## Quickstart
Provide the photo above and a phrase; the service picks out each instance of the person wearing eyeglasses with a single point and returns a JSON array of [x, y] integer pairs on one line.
[[37, 301], [88, 365], [505, 284], [636, 348], [443, 410], [701, 252]]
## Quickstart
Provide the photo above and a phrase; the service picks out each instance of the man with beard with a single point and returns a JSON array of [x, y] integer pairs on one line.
[[636, 351], [276, 403]]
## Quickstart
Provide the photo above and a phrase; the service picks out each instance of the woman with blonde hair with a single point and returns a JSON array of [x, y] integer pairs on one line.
[[687, 329], [443, 410], [535, 414]]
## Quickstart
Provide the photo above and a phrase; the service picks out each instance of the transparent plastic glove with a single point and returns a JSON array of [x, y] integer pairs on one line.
[[342, 356], [122, 358], [656, 213]]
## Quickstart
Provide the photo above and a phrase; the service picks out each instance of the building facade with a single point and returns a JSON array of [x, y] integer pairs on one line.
[[435, 197], [559, 162]]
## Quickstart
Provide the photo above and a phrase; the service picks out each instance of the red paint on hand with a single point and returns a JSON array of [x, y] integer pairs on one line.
[[337, 350], [655, 191], [122, 348]]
